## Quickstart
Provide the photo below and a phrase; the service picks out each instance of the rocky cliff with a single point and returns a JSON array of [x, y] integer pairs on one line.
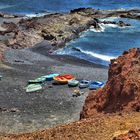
[[122, 90]]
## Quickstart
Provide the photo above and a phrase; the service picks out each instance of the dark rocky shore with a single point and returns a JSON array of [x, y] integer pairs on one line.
[[59, 28]]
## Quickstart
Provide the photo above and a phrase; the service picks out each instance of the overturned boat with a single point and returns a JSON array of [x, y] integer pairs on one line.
[[94, 85], [73, 83], [84, 84], [33, 88]]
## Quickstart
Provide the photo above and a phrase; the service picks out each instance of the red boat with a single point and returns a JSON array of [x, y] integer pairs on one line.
[[64, 78]]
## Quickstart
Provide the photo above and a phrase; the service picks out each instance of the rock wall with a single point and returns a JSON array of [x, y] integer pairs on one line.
[[122, 90]]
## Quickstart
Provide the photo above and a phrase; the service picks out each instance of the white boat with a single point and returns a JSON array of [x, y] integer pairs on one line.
[[73, 83]]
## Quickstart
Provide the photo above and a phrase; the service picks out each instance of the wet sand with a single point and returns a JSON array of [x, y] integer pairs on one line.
[[26, 112]]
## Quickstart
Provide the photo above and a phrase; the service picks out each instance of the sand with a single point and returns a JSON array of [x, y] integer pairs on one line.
[[27, 112]]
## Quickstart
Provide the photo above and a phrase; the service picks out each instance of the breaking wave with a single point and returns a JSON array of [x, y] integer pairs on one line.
[[93, 54], [35, 15], [103, 27]]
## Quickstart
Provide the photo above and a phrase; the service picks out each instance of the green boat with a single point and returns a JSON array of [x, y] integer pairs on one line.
[[33, 88], [37, 80]]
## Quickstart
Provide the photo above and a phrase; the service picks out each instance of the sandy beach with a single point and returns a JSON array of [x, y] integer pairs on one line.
[[26, 112]]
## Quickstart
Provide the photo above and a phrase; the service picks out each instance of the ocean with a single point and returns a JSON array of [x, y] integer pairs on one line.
[[93, 46], [40, 6]]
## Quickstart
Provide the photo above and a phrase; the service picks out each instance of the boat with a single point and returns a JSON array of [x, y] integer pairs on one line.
[[63, 79], [50, 76], [84, 84], [95, 85], [73, 83], [33, 88], [37, 80]]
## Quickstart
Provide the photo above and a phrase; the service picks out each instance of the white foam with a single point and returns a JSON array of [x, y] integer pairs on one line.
[[111, 25], [35, 15], [100, 56], [102, 28]]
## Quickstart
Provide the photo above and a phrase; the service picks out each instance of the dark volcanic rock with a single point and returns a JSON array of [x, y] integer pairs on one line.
[[94, 23], [57, 28], [122, 91], [48, 36], [120, 23], [77, 10], [74, 21], [10, 27]]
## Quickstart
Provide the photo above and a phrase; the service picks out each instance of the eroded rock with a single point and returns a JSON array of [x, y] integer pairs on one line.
[[122, 90]]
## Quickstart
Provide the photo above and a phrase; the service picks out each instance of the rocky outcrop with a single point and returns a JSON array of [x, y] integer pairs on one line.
[[10, 27], [56, 28], [122, 90], [120, 23], [131, 135]]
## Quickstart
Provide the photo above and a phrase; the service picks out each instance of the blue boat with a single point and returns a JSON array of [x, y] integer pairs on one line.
[[94, 85], [50, 76]]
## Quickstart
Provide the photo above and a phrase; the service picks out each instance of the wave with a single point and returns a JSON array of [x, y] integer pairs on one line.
[[102, 28], [100, 56], [35, 15], [110, 18]]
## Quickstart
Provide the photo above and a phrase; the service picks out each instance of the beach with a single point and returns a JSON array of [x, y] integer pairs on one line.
[[26, 112]]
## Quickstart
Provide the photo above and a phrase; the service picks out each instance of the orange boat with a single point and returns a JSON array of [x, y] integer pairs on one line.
[[63, 79]]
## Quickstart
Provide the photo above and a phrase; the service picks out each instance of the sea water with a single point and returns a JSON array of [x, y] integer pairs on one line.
[[38, 6], [94, 46], [102, 46]]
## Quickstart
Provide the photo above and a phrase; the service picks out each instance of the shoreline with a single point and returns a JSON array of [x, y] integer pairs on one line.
[[53, 106], [65, 28], [76, 21]]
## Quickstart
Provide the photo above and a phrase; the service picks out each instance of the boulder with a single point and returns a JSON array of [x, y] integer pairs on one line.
[[94, 23]]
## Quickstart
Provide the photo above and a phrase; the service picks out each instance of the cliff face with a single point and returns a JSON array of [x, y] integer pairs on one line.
[[122, 91]]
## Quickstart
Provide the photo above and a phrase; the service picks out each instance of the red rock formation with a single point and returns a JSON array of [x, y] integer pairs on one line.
[[131, 135], [122, 91]]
